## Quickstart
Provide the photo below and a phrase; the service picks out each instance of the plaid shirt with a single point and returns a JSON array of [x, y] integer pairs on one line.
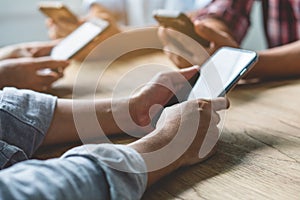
[[281, 18]]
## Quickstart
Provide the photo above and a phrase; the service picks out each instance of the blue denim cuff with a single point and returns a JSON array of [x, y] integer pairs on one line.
[[25, 117], [124, 168], [10, 155]]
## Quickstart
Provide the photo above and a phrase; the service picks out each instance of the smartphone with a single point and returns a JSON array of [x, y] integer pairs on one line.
[[79, 39], [58, 12], [217, 76], [221, 72], [179, 22]]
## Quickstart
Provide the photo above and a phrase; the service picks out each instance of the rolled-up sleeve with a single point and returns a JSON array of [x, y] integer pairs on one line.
[[103, 171], [235, 13], [25, 117]]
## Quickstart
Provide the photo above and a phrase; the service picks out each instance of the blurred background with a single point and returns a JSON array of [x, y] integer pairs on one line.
[[20, 21]]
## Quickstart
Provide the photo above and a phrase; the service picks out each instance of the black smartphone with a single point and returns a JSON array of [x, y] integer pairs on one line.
[[217, 76], [179, 22], [221, 72]]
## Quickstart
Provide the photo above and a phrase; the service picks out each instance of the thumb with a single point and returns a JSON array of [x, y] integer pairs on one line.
[[220, 103], [48, 62], [188, 73]]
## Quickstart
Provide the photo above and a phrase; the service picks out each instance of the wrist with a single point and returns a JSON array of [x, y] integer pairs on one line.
[[122, 118], [5, 75], [150, 144]]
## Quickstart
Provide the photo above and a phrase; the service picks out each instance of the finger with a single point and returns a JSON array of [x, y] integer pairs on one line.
[[180, 56], [47, 80], [220, 103], [183, 42], [49, 22], [188, 73], [178, 60], [163, 36], [47, 62], [42, 51], [52, 33], [184, 46], [209, 33], [216, 118], [57, 32], [186, 42], [206, 32], [173, 40]]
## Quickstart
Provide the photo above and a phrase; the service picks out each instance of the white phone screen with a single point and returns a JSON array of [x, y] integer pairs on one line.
[[78, 39], [221, 72]]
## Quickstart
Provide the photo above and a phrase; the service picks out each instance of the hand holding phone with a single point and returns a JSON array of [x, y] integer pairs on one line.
[[218, 75], [179, 22], [61, 21], [58, 12], [221, 72]]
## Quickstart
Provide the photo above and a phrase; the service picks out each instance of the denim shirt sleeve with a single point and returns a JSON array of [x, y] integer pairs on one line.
[[103, 171], [25, 117]]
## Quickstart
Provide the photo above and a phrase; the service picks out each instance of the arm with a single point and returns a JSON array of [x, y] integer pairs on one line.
[[278, 62], [73, 119], [40, 118], [114, 171], [82, 173], [32, 49]]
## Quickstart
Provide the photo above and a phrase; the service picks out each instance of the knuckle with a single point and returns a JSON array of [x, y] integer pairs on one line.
[[204, 104]]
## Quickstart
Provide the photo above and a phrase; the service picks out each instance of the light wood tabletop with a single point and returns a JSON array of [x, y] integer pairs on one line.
[[258, 154]]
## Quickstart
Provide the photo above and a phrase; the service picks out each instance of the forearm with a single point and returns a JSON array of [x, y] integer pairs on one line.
[[88, 172], [149, 147], [3, 78], [87, 119], [279, 62], [7, 52]]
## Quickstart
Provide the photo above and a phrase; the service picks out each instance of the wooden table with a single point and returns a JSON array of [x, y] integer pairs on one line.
[[259, 151]]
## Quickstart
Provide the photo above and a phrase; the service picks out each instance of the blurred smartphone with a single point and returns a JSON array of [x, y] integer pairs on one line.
[[179, 22], [79, 39], [58, 12], [221, 72]]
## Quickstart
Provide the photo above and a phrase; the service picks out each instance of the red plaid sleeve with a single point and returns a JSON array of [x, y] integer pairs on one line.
[[235, 13]]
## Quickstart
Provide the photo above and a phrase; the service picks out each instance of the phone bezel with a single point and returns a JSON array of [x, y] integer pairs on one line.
[[166, 19], [103, 26], [241, 73]]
